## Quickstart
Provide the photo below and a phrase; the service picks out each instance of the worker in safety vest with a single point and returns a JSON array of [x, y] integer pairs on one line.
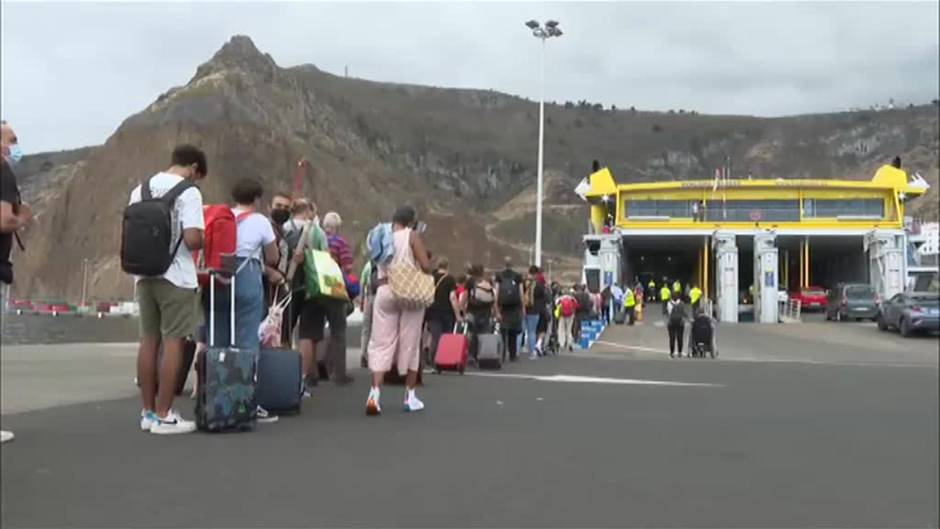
[[694, 296], [629, 304], [665, 295], [677, 287], [651, 290]]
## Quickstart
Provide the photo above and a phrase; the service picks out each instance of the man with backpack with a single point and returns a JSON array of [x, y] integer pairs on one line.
[[584, 311], [163, 225], [302, 213], [675, 324], [567, 308], [509, 307]]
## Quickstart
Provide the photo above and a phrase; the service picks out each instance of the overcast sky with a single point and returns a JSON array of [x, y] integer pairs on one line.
[[71, 72]]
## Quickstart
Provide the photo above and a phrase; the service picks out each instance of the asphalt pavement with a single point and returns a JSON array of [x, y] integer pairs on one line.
[[612, 436]]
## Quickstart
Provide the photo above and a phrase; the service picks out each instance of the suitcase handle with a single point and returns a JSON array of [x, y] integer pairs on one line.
[[465, 325], [231, 333]]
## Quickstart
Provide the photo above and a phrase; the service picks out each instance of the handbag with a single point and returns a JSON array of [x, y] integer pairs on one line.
[[412, 288], [269, 332], [323, 276]]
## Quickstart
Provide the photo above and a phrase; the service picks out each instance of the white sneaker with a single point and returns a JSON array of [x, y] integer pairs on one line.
[[147, 420], [172, 424], [413, 404], [264, 416], [6, 436], [372, 404]]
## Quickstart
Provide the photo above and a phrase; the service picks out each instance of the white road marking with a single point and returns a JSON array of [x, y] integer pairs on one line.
[[595, 380], [633, 347]]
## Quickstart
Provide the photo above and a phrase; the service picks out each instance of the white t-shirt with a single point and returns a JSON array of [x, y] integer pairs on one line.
[[254, 233], [187, 214]]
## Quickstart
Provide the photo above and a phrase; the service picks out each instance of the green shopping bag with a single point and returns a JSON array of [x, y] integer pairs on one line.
[[323, 276]]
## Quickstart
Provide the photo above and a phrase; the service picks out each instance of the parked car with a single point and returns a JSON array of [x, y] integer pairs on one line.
[[811, 298], [911, 312], [856, 301]]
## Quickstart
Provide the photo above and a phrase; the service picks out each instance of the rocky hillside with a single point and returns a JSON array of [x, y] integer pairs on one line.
[[464, 158]]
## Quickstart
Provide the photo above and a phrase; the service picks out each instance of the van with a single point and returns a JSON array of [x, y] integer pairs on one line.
[[856, 301]]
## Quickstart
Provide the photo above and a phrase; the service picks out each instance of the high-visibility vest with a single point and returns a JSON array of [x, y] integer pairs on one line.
[[677, 287], [651, 287], [664, 294], [629, 301], [695, 294]]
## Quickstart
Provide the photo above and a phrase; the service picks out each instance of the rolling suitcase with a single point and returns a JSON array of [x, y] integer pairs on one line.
[[452, 351], [620, 316], [227, 379], [279, 380], [490, 350]]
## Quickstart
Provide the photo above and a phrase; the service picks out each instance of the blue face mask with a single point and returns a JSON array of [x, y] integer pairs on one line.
[[16, 154]]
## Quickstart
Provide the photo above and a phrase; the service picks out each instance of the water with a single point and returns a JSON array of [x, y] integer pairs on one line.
[[46, 329]]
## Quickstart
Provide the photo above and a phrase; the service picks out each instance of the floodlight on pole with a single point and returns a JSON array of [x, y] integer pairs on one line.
[[551, 29]]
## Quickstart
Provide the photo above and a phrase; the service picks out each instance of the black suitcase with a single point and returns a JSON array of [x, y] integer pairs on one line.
[[227, 379], [279, 380]]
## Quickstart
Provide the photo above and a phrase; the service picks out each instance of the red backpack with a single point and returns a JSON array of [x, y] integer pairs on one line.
[[221, 229], [568, 306]]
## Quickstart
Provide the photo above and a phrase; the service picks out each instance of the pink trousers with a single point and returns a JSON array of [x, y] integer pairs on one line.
[[396, 333]]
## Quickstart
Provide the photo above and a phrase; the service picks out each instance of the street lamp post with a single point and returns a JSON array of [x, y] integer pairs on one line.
[[84, 279], [550, 30]]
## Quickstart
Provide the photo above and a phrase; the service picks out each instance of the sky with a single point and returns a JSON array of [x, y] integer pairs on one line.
[[72, 72]]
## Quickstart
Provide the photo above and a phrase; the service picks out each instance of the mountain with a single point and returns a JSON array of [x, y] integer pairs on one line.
[[464, 158]]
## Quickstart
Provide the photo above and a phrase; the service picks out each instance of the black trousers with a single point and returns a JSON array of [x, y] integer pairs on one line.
[[510, 343], [675, 337], [631, 315], [437, 325]]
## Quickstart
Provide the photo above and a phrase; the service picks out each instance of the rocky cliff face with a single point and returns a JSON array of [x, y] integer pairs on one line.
[[464, 158]]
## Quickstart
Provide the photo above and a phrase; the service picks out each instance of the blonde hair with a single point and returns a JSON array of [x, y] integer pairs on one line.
[[332, 221]]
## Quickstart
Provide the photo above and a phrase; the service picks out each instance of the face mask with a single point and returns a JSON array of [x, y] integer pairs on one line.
[[280, 216], [16, 154]]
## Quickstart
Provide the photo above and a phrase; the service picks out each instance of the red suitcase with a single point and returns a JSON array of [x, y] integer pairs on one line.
[[452, 352]]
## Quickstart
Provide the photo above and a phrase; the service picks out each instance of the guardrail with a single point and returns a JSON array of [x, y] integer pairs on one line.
[[791, 311]]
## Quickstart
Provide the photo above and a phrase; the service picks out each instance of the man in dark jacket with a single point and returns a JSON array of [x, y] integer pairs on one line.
[[14, 216]]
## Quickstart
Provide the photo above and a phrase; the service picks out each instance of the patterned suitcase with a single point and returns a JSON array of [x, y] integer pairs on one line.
[[227, 380]]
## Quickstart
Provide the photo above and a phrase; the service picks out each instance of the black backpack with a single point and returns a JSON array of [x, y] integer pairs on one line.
[[147, 246], [292, 238], [509, 292], [677, 314]]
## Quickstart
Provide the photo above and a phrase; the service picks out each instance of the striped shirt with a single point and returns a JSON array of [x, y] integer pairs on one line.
[[341, 253]]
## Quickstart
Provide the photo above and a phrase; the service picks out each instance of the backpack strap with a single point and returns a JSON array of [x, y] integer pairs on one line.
[[145, 193], [170, 198], [175, 191]]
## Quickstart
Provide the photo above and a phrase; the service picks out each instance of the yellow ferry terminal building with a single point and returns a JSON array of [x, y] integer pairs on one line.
[[750, 239]]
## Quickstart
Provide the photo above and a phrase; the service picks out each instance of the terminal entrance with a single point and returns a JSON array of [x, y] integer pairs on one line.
[[746, 276], [658, 257]]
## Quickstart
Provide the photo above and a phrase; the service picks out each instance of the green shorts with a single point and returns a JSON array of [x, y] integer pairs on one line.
[[167, 310]]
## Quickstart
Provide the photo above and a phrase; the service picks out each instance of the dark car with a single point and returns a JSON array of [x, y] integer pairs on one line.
[[856, 301], [911, 312]]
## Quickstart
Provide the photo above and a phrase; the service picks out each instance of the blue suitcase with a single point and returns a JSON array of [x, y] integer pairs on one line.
[[279, 380], [227, 379]]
